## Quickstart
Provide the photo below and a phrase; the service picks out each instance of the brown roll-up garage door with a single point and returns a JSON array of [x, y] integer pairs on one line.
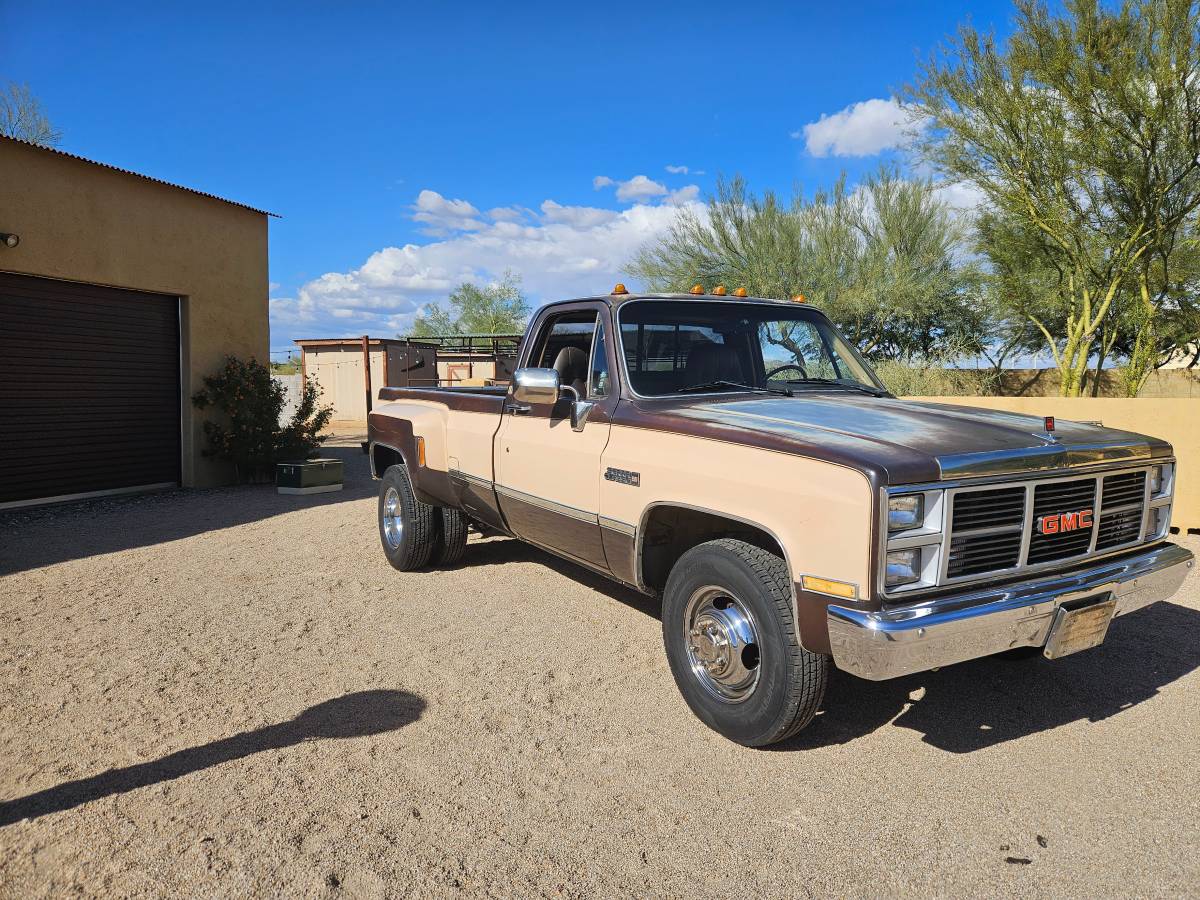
[[89, 389]]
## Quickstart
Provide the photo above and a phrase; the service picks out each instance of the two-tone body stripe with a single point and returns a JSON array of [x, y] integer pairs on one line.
[[572, 512]]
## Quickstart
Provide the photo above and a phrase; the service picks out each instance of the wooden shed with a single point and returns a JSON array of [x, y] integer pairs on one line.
[[338, 365]]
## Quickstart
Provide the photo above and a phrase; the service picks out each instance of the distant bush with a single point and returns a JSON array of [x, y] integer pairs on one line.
[[924, 378], [250, 435]]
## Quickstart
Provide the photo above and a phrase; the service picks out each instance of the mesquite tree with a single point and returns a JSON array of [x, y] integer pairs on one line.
[[1082, 131], [884, 261]]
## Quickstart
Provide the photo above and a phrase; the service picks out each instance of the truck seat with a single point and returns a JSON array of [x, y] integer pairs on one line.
[[712, 362], [572, 367]]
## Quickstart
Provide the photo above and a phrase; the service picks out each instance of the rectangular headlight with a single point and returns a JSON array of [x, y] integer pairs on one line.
[[906, 511], [1158, 523], [903, 567]]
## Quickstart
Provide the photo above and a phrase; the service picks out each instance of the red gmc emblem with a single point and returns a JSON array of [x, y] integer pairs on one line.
[[1068, 521]]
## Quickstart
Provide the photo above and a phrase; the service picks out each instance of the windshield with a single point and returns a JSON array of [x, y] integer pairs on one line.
[[674, 346]]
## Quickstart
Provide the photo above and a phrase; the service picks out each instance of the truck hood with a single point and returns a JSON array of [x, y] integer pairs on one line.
[[902, 441]]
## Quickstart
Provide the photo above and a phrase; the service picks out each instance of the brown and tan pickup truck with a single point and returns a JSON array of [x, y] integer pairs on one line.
[[738, 459]]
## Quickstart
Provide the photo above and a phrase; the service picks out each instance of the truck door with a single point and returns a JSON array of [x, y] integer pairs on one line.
[[547, 474]]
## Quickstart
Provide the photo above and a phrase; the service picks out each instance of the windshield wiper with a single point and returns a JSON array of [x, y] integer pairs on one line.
[[709, 385], [833, 382]]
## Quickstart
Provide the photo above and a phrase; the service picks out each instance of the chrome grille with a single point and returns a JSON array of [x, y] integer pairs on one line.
[[1054, 499], [976, 531], [987, 531], [1121, 516]]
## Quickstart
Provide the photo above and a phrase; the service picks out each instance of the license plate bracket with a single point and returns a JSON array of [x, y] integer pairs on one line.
[[1080, 625]]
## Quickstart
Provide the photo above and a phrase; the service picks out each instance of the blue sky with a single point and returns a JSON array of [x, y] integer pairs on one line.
[[408, 147]]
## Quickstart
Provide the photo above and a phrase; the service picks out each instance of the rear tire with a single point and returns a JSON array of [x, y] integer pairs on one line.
[[731, 642], [452, 545], [407, 527]]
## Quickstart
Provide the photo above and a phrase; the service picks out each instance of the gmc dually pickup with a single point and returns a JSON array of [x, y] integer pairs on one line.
[[739, 459]]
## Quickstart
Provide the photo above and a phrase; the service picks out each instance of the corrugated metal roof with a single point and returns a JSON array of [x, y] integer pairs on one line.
[[136, 175]]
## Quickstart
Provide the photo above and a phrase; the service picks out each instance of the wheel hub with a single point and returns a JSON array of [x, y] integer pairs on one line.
[[722, 644], [393, 521]]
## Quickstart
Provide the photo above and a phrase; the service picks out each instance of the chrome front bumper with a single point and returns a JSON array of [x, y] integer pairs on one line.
[[899, 641]]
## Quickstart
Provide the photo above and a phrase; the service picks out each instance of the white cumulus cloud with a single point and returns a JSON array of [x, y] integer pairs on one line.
[[861, 129], [441, 215], [561, 251], [686, 194], [577, 216], [639, 187]]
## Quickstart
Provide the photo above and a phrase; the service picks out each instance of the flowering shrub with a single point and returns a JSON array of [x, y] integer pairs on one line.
[[249, 433]]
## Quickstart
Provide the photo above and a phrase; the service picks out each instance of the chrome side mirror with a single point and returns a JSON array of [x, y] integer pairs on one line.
[[535, 386], [542, 386], [580, 409]]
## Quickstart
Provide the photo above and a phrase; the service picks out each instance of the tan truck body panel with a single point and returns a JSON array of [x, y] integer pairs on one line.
[[810, 507]]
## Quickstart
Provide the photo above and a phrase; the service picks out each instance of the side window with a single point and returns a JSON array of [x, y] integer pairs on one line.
[[560, 332], [598, 383]]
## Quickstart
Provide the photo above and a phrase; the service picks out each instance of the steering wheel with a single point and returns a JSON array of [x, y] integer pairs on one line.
[[799, 368]]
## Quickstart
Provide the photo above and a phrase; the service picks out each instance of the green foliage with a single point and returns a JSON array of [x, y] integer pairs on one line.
[[250, 435], [934, 375], [1082, 131], [885, 262], [21, 116], [493, 309]]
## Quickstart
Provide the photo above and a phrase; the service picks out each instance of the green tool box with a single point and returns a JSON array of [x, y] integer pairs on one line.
[[309, 476]]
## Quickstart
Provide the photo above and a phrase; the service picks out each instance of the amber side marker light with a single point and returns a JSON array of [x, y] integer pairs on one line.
[[719, 290], [697, 289], [420, 451], [619, 289], [828, 586], [740, 292]]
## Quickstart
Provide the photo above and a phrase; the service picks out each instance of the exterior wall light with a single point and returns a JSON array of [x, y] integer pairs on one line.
[[9, 240]]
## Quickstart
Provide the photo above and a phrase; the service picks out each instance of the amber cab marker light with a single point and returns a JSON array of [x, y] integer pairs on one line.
[[740, 292], [719, 290], [697, 289], [829, 586], [799, 298], [619, 289]]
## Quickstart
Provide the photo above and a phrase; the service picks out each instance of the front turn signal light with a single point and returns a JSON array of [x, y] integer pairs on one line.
[[829, 586]]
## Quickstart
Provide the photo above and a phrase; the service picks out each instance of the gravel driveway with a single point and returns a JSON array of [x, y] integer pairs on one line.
[[229, 692]]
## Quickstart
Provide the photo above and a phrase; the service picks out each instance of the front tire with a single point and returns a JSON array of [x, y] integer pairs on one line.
[[407, 527], [731, 642]]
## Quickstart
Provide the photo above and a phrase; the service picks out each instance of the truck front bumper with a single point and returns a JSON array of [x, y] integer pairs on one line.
[[898, 641]]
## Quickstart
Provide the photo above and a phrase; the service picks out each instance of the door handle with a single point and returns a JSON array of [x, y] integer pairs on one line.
[[517, 409]]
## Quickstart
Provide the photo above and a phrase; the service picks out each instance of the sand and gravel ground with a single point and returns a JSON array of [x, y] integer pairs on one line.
[[229, 693]]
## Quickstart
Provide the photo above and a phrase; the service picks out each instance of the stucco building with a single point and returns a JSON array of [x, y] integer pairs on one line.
[[118, 293]]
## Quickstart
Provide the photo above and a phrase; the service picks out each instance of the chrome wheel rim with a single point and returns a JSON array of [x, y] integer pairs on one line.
[[393, 522], [722, 644]]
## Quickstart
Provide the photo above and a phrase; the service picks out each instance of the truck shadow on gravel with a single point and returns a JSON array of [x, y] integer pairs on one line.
[[972, 705], [354, 715], [45, 535], [989, 701]]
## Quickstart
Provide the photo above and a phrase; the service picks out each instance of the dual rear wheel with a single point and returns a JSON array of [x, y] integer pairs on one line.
[[415, 534]]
